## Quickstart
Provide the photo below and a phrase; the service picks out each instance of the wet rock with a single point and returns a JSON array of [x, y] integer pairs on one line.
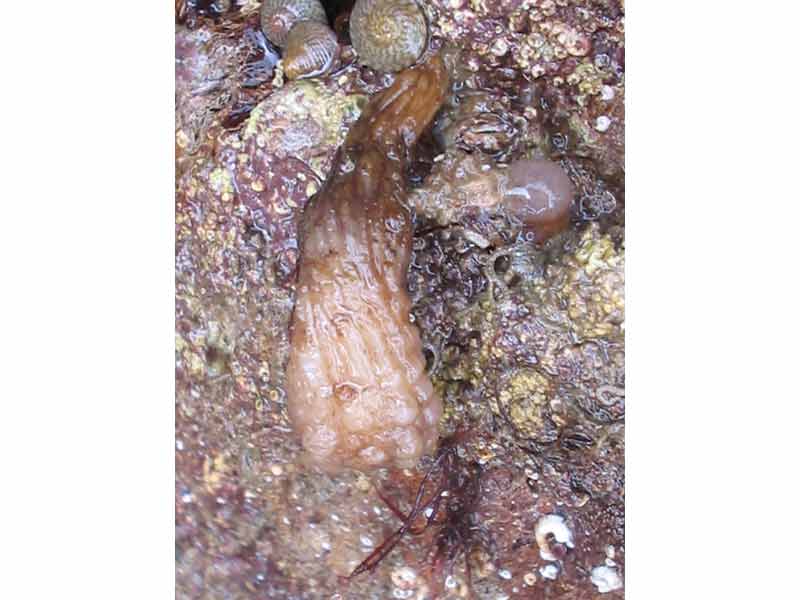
[[524, 342]]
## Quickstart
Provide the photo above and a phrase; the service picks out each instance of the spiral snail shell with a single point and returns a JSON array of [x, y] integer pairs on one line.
[[311, 50], [279, 16], [388, 35]]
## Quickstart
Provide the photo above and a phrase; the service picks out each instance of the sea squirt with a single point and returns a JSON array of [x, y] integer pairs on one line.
[[530, 195], [357, 389], [539, 193]]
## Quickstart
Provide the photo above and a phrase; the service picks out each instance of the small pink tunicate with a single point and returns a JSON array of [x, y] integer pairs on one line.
[[539, 193]]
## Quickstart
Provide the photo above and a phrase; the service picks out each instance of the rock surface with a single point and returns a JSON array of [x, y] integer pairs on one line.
[[524, 342]]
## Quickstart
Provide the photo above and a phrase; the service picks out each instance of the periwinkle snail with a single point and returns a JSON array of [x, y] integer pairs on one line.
[[300, 29], [279, 16], [311, 50], [388, 35]]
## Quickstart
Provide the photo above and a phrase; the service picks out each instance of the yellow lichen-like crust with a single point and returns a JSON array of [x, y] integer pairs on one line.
[[388, 35], [302, 118], [594, 287], [523, 400], [356, 384]]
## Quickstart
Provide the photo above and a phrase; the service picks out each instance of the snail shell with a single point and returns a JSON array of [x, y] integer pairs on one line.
[[388, 35], [311, 50], [279, 16]]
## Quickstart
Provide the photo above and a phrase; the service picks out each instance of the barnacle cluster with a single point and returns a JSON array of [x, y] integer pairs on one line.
[[570, 53], [540, 334], [305, 121]]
